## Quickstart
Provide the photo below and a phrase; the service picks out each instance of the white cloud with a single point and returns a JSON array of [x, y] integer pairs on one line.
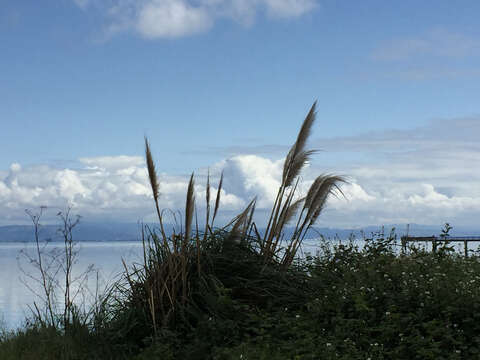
[[113, 187], [113, 162], [171, 18], [427, 175], [15, 167], [154, 19], [248, 176], [290, 8]]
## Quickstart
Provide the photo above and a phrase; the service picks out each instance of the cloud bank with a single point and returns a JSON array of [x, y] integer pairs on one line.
[[155, 19], [429, 175]]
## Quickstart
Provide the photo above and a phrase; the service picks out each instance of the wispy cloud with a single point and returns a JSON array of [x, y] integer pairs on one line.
[[155, 19], [289, 8], [438, 43], [423, 73], [82, 4]]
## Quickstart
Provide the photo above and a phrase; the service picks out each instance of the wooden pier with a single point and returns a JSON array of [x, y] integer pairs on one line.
[[435, 240]]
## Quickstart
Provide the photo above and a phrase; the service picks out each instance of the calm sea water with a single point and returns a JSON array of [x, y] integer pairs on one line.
[[15, 296]]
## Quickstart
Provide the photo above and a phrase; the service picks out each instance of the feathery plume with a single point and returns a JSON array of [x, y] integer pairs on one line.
[[292, 210], [297, 164], [152, 174], [241, 219], [207, 199], [189, 208], [217, 200], [299, 145]]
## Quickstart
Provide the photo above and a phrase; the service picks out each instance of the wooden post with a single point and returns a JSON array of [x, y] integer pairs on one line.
[[465, 244], [434, 244]]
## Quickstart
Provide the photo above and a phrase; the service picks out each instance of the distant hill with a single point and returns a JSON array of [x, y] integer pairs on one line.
[[132, 231], [82, 232]]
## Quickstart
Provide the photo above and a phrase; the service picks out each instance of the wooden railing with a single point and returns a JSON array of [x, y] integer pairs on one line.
[[435, 240]]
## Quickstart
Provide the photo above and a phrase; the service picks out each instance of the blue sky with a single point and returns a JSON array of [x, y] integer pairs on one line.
[[227, 83]]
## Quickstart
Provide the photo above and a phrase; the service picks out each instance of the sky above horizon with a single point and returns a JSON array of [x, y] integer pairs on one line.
[[225, 85]]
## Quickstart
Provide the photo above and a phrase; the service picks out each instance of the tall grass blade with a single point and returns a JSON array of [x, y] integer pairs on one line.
[[189, 208], [217, 200], [207, 199]]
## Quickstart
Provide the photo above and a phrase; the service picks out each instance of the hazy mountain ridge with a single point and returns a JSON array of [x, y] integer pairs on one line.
[[132, 231]]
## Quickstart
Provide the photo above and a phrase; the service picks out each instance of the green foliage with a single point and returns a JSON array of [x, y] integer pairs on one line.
[[343, 303], [351, 304], [445, 246]]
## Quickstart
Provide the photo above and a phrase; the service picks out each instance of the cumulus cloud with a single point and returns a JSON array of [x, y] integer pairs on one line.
[[428, 175], [248, 176], [155, 19], [100, 188]]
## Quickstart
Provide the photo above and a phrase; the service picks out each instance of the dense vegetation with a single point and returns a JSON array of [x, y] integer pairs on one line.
[[345, 303], [237, 293]]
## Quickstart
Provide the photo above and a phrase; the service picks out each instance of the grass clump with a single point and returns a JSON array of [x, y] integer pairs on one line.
[[180, 272]]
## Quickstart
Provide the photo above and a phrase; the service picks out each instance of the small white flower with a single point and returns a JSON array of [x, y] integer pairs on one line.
[[328, 344]]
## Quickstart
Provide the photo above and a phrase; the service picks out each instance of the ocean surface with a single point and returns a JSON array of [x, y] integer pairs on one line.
[[16, 296]]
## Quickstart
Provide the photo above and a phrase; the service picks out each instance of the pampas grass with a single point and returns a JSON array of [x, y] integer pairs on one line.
[[285, 208], [163, 280]]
